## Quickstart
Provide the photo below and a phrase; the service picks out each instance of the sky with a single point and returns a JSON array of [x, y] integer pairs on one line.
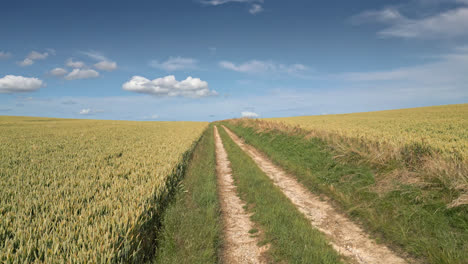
[[205, 60]]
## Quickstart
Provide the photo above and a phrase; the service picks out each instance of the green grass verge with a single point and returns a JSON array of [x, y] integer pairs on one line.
[[191, 226], [291, 236], [412, 218]]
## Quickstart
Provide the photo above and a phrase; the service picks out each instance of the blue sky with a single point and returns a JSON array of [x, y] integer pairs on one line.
[[217, 59]]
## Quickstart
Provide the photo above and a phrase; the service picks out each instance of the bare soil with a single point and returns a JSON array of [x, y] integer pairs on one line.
[[346, 237], [239, 246]]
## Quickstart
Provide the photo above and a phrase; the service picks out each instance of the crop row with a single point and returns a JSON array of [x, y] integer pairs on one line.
[[86, 190]]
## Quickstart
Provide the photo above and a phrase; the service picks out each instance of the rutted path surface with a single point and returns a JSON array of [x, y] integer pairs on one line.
[[345, 236], [239, 245]]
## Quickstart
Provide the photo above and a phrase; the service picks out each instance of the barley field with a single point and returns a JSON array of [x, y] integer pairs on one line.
[[444, 128], [84, 191]]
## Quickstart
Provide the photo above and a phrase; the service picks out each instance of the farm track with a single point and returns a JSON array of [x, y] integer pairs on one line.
[[345, 236], [239, 246]]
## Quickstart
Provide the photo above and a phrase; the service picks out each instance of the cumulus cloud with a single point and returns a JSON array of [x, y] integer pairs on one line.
[[58, 72], [82, 74], [256, 66], [447, 24], [85, 111], [19, 84], [255, 8], [4, 55], [26, 62], [33, 56], [106, 65], [74, 64], [249, 114], [175, 64], [169, 86]]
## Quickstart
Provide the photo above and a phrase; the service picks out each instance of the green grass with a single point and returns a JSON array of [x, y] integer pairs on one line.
[[191, 226], [291, 236], [414, 219]]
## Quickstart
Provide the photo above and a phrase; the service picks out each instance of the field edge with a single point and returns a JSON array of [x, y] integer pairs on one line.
[[191, 226]]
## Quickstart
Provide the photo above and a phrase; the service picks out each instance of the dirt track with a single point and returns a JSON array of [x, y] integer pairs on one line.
[[239, 246], [345, 236]]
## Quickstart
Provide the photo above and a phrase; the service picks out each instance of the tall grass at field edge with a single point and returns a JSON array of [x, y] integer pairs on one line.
[[415, 162]]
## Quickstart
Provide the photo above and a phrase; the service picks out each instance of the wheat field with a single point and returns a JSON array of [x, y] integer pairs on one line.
[[443, 128], [84, 190]]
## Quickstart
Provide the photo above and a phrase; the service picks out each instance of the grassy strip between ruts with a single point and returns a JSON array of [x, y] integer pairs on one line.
[[289, 233], [191, 225], [414, 218]]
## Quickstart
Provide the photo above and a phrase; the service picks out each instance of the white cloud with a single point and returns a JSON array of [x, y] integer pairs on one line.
[[175, 64], [95, 55], [448, 70], [82, 74], [26, 62], [106, 65], [221, 2], [256, 66], [85, 111], [448, 24], [74, 64], [387, 15], [4, 55], [249, 114], [255, 8], [151, 117], [51, 51], [58, 72], [18, 84], [169, 86], [33, 56], [437, 81]]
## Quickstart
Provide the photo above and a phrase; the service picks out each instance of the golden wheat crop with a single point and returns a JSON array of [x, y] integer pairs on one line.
[[82, 191], [444, 128]]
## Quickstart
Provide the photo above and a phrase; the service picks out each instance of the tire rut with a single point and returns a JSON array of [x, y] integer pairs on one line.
[[345, 236], [239, 246]]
